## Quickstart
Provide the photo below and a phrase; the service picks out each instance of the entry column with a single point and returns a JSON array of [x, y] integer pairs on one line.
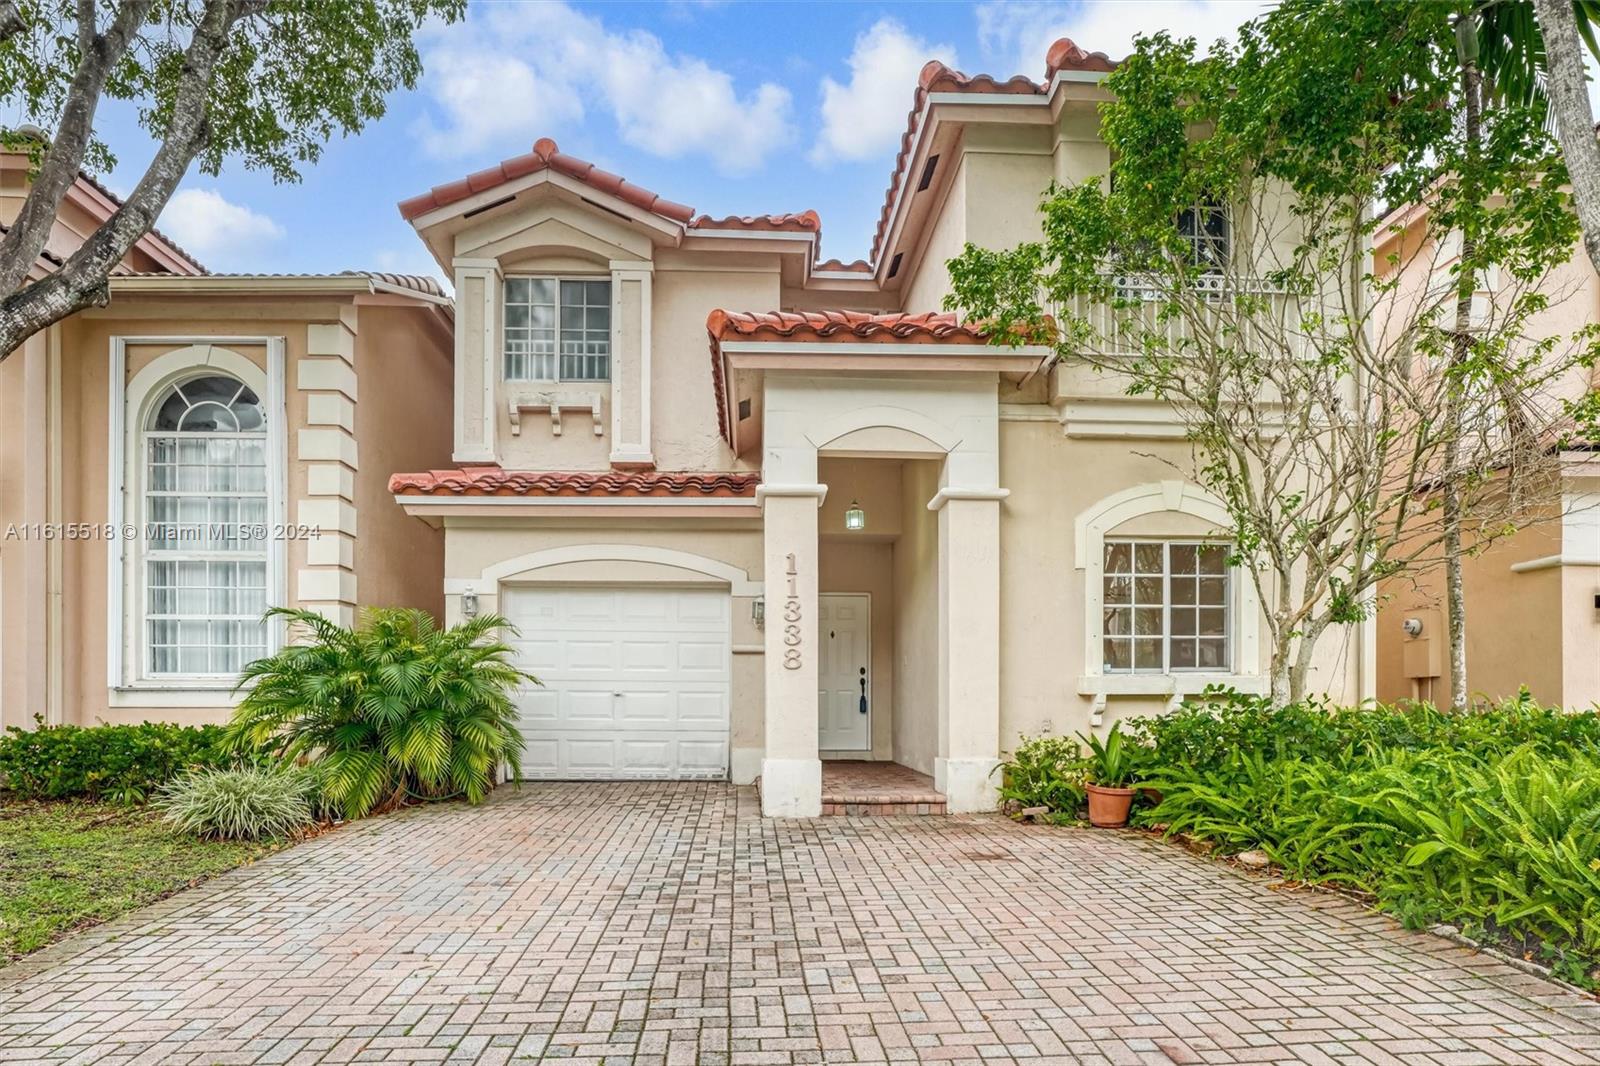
[[791, 772], [969, 647]]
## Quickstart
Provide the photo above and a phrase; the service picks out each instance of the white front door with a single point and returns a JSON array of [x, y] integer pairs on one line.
[[844, 681], [635, 681]]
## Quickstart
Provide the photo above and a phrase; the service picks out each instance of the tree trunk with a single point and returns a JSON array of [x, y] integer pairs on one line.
[[1460, 353], [1279, 669], [1567, 89]]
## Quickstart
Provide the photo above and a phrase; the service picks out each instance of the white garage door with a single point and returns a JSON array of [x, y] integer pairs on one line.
[[635, 681]]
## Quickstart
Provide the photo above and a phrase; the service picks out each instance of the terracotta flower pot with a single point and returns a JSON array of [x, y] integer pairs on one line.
[[1108, 807]]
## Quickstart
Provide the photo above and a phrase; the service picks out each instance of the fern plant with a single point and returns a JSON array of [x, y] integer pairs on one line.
[[393, 708]]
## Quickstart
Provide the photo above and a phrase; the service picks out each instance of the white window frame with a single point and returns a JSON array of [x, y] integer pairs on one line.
[[1098, 523], [561, 279], [1229, 575], [129, 401]]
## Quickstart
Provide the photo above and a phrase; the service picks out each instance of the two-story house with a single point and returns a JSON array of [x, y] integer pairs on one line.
[[750, 511]]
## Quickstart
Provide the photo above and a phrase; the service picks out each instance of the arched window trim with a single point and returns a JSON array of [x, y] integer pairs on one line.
[[130, 408], [1089, 537]]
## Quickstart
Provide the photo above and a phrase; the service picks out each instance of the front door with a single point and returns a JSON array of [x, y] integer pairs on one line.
[[844, 686]]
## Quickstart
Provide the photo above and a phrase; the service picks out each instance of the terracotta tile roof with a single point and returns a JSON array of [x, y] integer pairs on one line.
[[841, 326], [930, 327], [492, 481], [938, 78], [545, 155], [858, 266], [793, 222]]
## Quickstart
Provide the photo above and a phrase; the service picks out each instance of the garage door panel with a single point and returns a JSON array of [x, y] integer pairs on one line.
[[702, 659], [703, 709], [644, 656], [635, 682]]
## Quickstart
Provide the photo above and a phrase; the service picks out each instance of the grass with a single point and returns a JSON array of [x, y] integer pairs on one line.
[[68, 865]]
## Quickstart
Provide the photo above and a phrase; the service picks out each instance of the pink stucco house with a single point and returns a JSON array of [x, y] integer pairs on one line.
[[749, 510]]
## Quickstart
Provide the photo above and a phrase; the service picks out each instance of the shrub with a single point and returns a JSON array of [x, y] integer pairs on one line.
[[391, 709], [1488, 818], [243, 804], [121, 763], [1045, 772]]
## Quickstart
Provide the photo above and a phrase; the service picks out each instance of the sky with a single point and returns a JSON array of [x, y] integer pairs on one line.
[[730, 107]]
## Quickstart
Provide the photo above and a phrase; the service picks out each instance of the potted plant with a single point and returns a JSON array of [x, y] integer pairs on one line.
[[1110, 768]]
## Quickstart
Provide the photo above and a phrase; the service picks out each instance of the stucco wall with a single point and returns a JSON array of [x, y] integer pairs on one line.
[[402, 423], [916, 637], [1514, 623]]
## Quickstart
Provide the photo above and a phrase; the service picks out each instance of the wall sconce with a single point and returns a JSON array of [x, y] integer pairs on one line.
[[758, 612], [469, 603], [855, 519]]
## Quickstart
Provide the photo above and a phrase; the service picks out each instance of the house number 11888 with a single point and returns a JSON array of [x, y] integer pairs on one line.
[[791, 619]]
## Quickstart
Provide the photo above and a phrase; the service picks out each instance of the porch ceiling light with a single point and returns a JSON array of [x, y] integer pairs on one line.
[[855, 519]]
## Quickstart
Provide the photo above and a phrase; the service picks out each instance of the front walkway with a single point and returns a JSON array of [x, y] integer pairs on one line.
[[653, 923]]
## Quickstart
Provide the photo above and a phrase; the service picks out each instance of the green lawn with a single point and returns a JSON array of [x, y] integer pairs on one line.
[[68, 865]]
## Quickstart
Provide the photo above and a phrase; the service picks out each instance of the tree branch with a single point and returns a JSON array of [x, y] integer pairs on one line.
[[81, 280], [26, 237]]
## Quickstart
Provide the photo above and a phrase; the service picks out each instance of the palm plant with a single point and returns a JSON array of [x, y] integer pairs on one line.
[[392, 708]]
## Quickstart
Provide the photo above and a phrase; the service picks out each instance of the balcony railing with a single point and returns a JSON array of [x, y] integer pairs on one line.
[[1139, 310]]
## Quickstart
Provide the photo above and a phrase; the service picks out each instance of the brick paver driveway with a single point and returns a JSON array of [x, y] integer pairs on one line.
[[670, 923]]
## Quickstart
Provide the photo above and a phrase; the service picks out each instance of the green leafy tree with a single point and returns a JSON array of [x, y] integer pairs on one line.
[[1326, 397], [391, 709], [266, 82]]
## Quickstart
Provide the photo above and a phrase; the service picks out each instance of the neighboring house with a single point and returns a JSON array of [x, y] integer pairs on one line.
[[750, 510], [202, 447], [1533, 598]]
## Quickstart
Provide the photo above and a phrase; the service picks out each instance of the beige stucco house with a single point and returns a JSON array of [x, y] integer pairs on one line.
[[751, 511], [204, 446], [1533, 598]]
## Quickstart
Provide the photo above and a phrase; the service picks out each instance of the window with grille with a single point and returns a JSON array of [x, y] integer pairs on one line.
[[1209, 234], [205, 520], [557, 329], [1167, 607]]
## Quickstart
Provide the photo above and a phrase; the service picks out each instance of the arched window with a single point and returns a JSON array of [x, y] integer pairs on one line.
[[205, 507]]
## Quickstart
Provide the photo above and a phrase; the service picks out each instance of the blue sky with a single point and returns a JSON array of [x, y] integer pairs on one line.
[[733, 108]]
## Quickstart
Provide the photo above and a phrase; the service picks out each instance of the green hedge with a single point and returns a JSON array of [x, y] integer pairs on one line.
[[1487, 819], [121, 763]]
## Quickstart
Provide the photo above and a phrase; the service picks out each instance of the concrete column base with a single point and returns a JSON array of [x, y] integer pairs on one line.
[[791, 788], [969, 785]]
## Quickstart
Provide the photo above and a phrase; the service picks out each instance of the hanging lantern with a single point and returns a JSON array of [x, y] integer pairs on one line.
[[855, 519]]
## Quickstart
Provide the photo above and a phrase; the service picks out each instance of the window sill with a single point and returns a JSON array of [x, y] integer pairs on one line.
[[1168, 684], [175, 694]]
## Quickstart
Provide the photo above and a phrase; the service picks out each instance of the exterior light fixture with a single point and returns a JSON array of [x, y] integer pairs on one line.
[[855, 519], [469, 603], [758, 612]]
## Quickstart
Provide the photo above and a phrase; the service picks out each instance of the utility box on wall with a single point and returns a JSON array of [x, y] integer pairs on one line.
[[1421, 655]]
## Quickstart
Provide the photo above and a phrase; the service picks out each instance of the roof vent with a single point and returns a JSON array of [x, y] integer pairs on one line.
[[927, 173], [894, 264]]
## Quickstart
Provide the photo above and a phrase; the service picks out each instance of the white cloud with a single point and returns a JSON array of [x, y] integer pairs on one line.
[[863, 119], [1021, 33], [214, 228], [519, 71]]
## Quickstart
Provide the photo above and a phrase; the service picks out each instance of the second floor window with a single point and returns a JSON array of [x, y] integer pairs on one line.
[[1206, 229], [557, 329]]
